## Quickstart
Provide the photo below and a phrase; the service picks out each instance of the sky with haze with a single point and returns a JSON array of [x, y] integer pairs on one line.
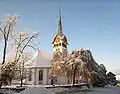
[[93, 24]]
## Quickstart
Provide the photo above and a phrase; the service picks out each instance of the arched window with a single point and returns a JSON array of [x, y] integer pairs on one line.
[[40, 75], [30, 75]]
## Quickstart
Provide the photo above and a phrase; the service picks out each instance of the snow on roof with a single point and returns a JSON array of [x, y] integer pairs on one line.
[[41, 59]]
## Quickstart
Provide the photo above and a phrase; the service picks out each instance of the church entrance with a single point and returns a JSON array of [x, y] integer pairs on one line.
[[53, 80]]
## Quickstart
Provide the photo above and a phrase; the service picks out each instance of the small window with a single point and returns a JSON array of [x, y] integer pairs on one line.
[[64, 45], [41, 75], [59, 44]]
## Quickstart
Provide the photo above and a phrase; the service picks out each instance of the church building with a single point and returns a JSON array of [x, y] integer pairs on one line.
[[40, 65]]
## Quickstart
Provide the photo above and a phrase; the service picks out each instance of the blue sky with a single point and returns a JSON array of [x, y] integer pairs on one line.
[[93, 24]]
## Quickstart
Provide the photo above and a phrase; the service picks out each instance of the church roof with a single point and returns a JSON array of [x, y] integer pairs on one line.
[[110, 74], [63, 37], [40, 59], [60, 33]]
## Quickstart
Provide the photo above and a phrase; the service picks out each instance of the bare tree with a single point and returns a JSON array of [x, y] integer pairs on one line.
[[23, 70], [22, 41], [6, 29]]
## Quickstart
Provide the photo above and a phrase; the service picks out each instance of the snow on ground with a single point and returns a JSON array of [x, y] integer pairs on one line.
[[36, 90], [43, 90], [73, 89], [4, 91], [110, 90]]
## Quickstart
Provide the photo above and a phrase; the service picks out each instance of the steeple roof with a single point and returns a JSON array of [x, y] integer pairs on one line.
[[60, 32]]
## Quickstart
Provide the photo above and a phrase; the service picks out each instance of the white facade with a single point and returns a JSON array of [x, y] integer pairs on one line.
[[39, 68], [35, 77], [40, 63], [62, 80], [118, 77]]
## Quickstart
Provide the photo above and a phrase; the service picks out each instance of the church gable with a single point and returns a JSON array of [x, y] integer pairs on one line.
[[56, 39]]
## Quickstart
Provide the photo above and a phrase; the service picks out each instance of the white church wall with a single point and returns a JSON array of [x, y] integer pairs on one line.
[[45, 76], [37, 76], [62, 80], [49, 78]]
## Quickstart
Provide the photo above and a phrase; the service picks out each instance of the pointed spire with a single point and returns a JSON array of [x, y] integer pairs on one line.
[[60, 24]]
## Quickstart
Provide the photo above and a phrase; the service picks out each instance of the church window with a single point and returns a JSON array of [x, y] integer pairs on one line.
[[30, 75], [55, 45], [40, 75], [59, 44], [64, 45]]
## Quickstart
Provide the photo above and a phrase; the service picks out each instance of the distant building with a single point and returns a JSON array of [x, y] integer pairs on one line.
[[111, 78], [118, 77]]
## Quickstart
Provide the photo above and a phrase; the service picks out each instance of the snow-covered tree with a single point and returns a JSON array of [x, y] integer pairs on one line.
[[79, 64], [15, 66], [21, 41]]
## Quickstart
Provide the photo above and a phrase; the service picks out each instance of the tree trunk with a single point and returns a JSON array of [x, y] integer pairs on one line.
[[21, 80], [73, 79], [74, 73], [4, 53], [21, 75], [4, 56]]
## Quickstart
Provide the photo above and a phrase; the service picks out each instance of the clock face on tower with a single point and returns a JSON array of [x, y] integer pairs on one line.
[[57, 39]]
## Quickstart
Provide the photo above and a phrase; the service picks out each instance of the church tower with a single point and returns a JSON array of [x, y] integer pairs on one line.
[[60, 40]]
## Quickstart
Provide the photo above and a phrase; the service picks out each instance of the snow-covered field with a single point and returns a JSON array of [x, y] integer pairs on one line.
[[29, 90], [42, 90], [110, 90]]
